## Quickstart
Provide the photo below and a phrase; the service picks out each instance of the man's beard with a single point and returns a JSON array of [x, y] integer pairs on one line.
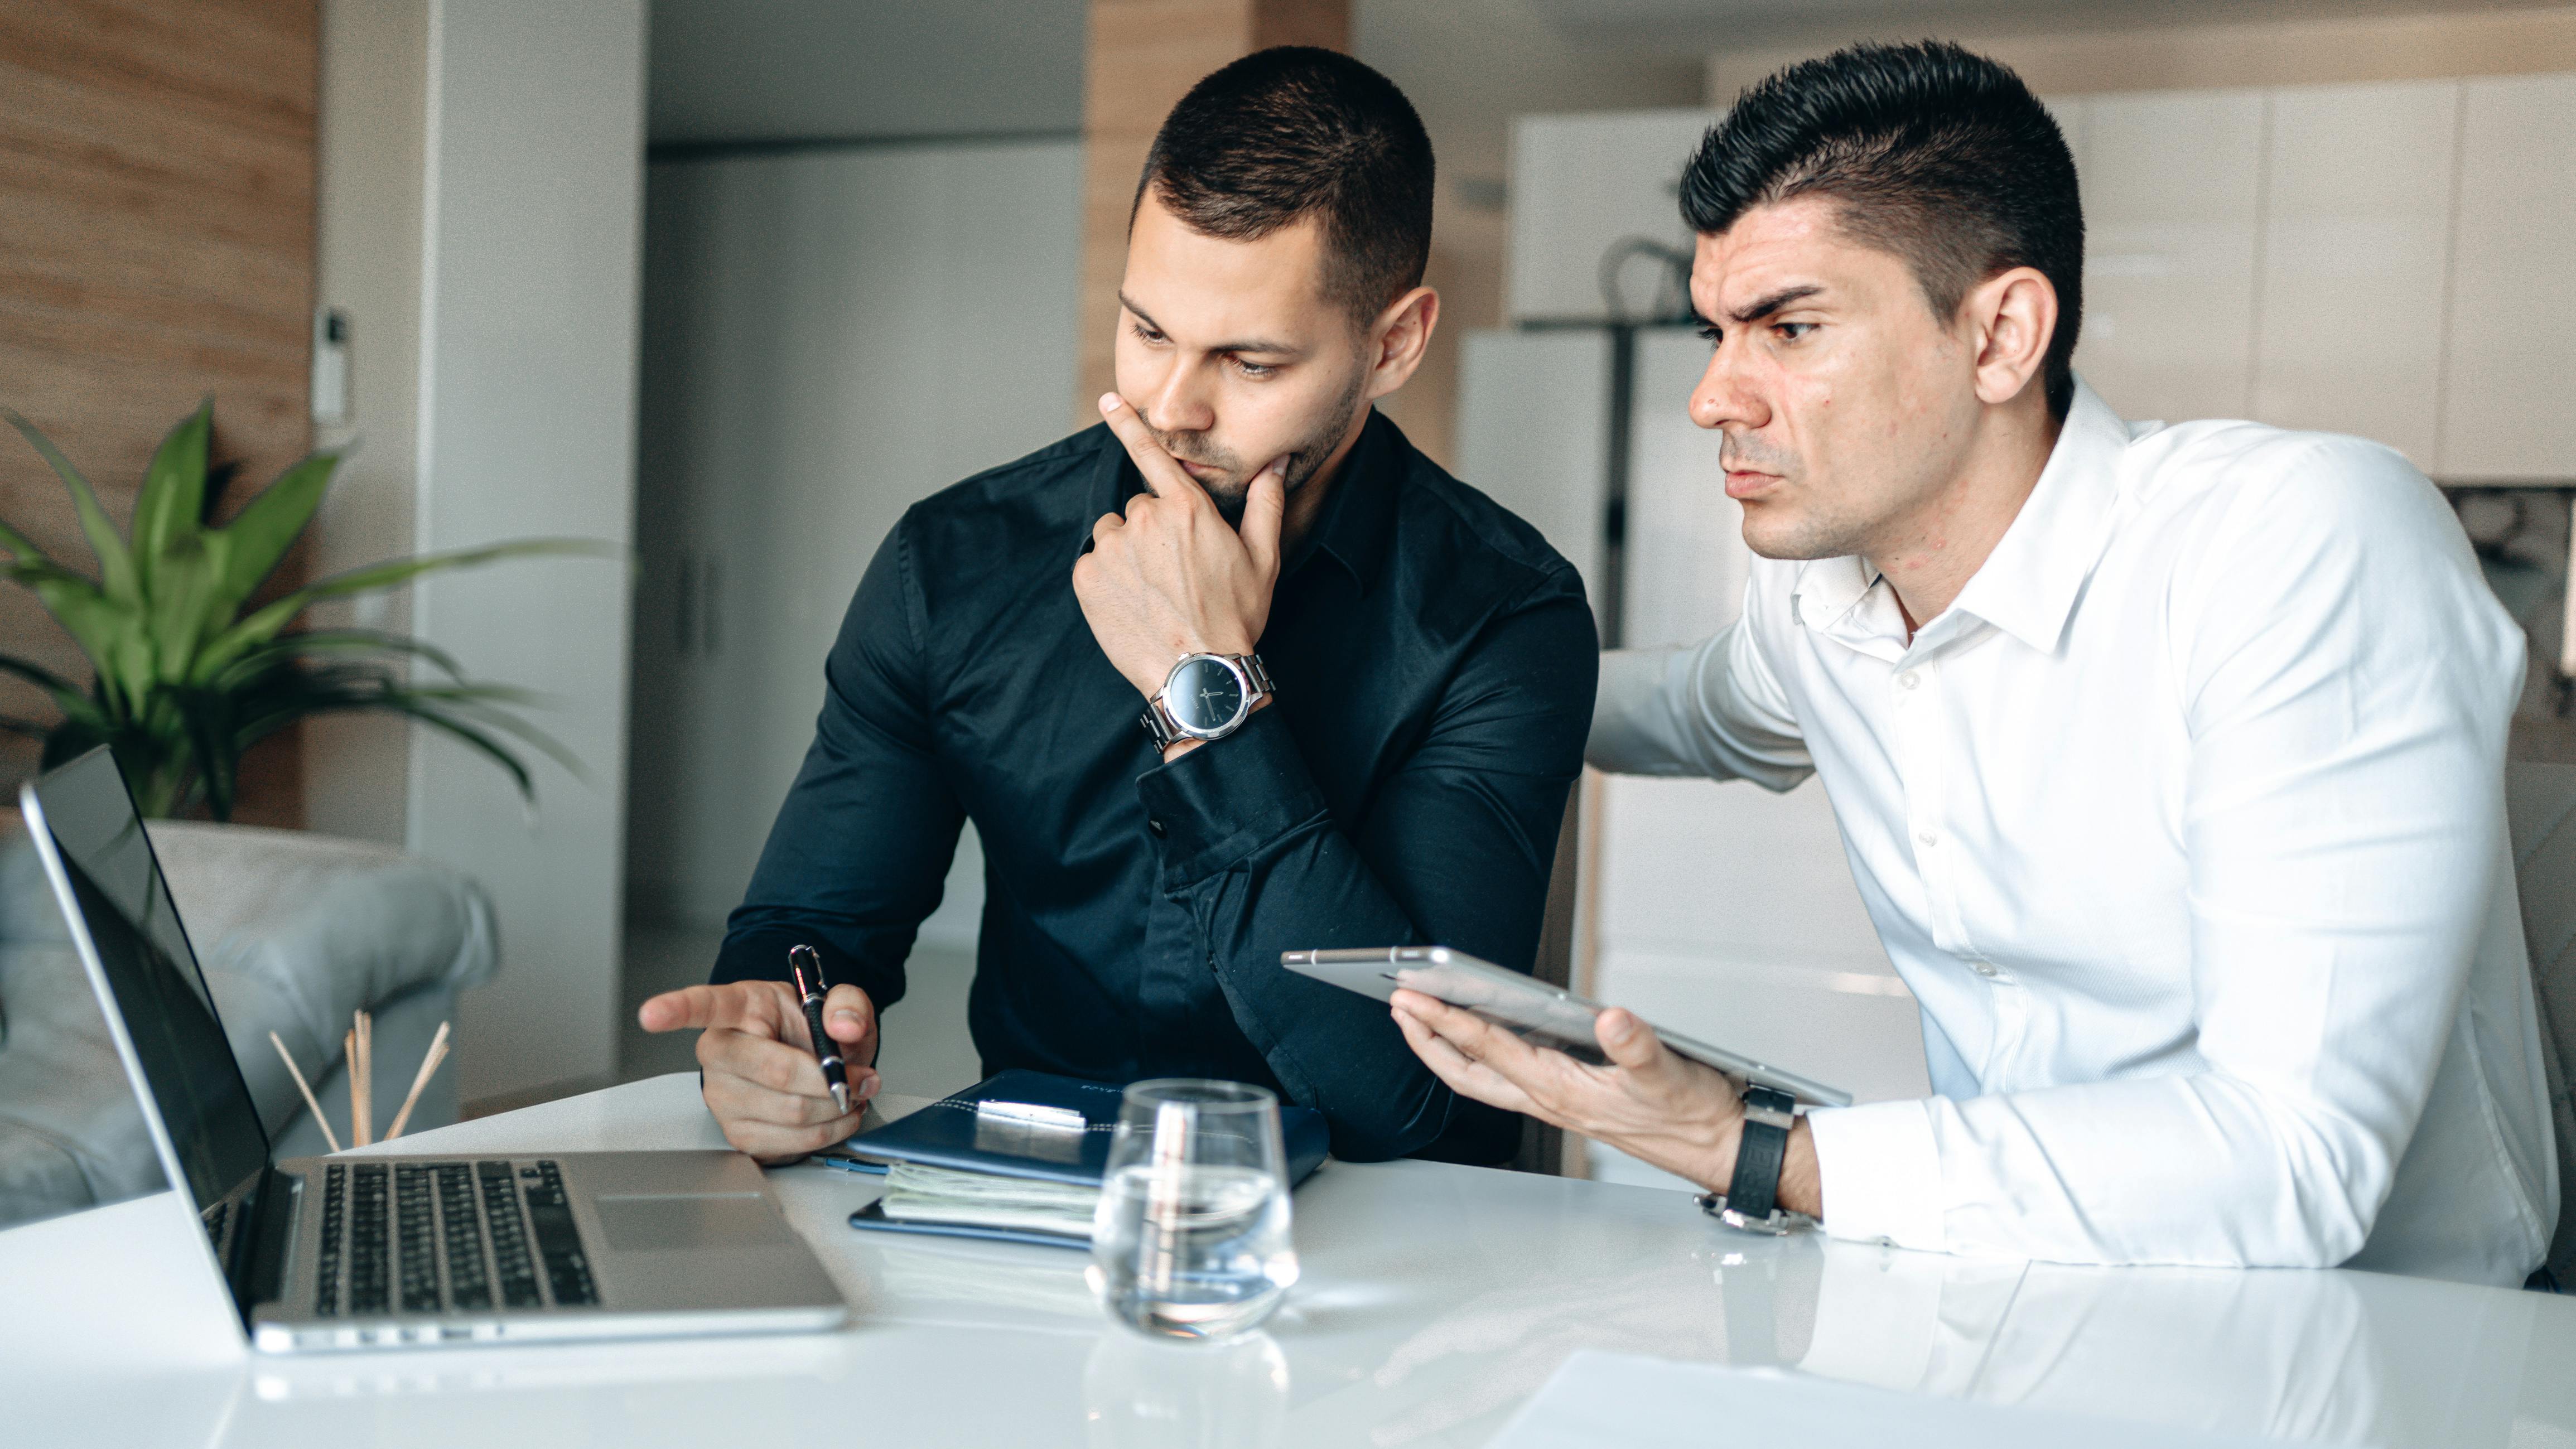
[[1230, 491]]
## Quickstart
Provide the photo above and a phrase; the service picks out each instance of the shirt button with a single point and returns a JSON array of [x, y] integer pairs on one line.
[[1982, 968], [1927, 837], [1909, 679], [1155, 826]]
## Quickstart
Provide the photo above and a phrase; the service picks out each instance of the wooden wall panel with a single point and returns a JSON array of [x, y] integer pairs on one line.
[[157, 194], [1145, 55]]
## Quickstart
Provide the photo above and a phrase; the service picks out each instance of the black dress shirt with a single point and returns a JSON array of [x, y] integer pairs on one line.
[[1434, 663]]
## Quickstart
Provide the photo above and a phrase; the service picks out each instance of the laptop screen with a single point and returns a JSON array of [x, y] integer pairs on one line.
[[158, 993]]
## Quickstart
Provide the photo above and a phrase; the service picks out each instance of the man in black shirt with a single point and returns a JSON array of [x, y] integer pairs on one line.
[[1363, 687]]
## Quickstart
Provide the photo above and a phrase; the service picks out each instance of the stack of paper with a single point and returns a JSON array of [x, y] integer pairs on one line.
[[916, 1193]]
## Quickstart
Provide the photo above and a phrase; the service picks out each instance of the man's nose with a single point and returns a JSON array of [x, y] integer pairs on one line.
[[1725, 396], [1179, 402]]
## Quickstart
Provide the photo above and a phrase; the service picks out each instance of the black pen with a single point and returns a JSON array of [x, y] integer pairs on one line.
[[826, 1051]]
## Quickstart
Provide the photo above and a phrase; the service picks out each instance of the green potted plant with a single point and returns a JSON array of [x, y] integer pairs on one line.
[[189, 674]]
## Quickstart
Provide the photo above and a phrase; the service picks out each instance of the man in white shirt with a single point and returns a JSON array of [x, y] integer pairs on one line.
[[2168, 759]]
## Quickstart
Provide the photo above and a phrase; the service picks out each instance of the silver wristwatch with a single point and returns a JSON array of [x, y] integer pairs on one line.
[[1205, 697]]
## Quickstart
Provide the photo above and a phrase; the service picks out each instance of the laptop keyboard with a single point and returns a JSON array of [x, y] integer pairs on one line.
[[427, 1237]]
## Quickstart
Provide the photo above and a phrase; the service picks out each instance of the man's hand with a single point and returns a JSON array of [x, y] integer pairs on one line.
[[1170, 577], [1649, 1102], [762, 1081]]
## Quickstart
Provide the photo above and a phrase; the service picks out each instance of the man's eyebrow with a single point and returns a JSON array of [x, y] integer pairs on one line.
[[1761, 307], [1254, 344]]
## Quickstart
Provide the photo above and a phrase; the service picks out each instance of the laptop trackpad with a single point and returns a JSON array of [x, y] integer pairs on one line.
[[682, 1223]]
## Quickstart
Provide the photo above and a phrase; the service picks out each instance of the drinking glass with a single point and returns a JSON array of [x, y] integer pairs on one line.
[[1191, 1237]]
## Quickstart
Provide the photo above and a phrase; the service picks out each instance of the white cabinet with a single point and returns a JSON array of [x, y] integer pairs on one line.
[[1686, 559], [2172, 191], [2356, 230], [2509, 376], [1533, 434], [1582, 184]]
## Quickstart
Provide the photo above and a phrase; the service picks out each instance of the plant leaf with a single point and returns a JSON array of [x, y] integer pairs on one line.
[[267, 526], [307, 697], [395, 571], [27, 556], [318, 642], [65, 694], [265, 623], [116, 568], [172, 505]]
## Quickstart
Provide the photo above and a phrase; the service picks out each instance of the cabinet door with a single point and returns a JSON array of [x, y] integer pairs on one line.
[[1582, 184], [2171, 186], [2509, 373], [1534, 435], [1686, 559], [2356, 232]]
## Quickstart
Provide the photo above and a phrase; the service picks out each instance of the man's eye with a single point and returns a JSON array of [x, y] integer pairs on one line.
[[1257, 370], [1711, 333], [1146, 333], [1792, 331]]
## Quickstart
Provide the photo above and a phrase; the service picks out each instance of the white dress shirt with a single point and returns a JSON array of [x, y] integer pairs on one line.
[[2185, 824]]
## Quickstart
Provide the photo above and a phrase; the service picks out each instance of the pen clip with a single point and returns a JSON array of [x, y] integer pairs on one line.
[[798, 959]]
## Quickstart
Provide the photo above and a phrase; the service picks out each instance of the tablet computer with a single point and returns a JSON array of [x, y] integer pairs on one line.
[[1529, 1008]]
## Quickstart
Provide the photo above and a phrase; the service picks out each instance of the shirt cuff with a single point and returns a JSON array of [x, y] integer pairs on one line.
[[1880, 1170], [1228, 798]]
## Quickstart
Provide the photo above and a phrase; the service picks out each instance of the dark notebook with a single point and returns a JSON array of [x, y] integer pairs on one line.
[[1021, 1125]]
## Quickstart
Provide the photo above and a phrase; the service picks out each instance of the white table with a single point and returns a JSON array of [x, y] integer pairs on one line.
[[1435, 1300]]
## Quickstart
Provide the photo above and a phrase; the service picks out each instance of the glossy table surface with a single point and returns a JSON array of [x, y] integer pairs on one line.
[[1435, 1301]]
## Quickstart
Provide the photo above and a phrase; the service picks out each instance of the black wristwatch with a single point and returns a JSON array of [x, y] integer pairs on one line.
[[1205, 697], [1751, 1203]]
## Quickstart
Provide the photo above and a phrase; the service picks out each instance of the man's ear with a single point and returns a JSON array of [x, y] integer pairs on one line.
[[2012, 315], [1398, 338]]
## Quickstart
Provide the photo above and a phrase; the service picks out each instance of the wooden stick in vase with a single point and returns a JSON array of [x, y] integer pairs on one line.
[[355, 1058], [428, 1068], [310, 1103]]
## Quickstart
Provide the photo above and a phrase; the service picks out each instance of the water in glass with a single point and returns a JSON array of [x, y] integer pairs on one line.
[[1191, 1239]]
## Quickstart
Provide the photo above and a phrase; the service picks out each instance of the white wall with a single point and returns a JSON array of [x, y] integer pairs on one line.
[[527, 418], [374, 106], [829, 336]]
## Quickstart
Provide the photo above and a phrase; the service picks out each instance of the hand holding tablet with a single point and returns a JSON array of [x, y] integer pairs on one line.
[[1537, 1012]]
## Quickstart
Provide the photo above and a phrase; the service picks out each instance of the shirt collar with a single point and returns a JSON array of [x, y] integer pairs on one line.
[[1351, 530], [2028, 586]]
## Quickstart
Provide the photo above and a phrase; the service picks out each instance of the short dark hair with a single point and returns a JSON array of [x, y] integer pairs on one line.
[[1937, 155], [1297, 131]]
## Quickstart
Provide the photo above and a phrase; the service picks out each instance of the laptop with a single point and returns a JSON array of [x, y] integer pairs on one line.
[[398, 1252]]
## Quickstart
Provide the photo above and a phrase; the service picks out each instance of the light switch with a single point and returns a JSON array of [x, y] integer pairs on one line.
[[331, 367]]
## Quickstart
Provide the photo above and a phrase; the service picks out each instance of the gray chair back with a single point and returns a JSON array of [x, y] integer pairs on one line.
[[2540, 806]]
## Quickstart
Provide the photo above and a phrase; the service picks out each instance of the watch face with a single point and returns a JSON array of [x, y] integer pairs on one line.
[[1203, 694]]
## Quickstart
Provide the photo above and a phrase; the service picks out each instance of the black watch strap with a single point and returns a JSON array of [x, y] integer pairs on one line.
[[1767, 1119], [1752, 1199]]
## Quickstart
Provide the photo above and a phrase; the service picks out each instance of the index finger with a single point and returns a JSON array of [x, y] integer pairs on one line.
[[703, 1008], [1165, 477]]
